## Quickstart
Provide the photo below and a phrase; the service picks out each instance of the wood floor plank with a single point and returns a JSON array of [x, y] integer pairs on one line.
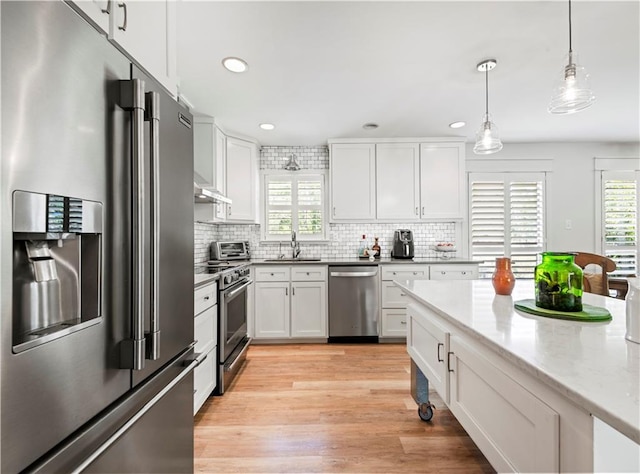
[[328, 408]]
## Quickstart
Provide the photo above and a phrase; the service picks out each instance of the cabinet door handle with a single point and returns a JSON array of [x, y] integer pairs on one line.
[[293, 291], [423, 210], [402, 294], [416, 210], [449, 354], [229, 210], [334, 211], [124, 24], [108, 9], [206, 298], [439, 346], [286, 292]]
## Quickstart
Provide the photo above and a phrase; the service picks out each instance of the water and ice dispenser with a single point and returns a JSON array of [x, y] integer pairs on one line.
[[56, 266]]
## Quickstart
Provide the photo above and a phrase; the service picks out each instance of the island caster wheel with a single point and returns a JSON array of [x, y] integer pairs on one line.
[[425, 411]]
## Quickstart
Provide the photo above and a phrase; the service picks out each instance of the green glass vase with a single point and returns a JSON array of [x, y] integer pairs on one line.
[[558, 282]]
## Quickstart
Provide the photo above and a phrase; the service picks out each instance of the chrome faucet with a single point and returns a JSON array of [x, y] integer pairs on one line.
[[295, 245]]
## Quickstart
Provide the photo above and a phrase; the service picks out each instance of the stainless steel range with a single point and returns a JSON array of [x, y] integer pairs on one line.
[[233, 299]]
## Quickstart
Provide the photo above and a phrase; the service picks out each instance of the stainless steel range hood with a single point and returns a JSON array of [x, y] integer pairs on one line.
[[204, 194]]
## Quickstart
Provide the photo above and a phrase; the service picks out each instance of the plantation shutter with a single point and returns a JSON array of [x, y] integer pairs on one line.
[[620, 220], [507, 219], [294, 203]]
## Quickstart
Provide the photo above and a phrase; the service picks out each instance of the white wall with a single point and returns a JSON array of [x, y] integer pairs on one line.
[[570, 186]]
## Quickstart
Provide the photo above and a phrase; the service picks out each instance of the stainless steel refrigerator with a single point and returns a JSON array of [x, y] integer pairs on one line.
[[96, 254]]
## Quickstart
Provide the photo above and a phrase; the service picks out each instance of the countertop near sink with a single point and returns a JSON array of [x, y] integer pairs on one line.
[[363, 261]]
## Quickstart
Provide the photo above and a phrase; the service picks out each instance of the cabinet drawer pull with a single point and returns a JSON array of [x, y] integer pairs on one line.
[[439, 346], [449, 354], [271, 274], [415, 273], [404, 323], [206, 298], [307, 273], [394, 273], [464, 273], [124, 24], [402, 294]]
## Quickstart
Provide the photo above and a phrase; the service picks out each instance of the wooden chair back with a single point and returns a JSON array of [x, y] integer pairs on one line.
[[607, 266]]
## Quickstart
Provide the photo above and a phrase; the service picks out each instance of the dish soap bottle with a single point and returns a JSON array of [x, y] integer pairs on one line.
[[362, 249], [376, 248]]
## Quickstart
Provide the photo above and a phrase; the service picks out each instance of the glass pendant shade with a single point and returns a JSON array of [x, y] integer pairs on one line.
[[487, 138], [572, 92]]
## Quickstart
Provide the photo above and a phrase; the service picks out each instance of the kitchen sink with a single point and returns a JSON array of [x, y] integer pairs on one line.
[[292, 260]]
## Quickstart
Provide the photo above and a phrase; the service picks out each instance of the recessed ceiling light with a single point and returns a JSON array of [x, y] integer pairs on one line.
[[235, 64], [267, 126], [459, 124], [370, 126]]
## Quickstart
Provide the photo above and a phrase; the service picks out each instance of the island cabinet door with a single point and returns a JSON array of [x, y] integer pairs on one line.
[[516, 431], [428, 344]]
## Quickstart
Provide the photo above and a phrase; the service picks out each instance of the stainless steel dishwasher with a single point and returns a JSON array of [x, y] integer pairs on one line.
[[354, 303]]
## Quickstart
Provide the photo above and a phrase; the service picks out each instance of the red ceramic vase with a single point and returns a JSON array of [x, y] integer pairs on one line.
[[503, 279]]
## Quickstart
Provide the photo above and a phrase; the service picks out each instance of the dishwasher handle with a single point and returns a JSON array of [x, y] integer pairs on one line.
[[354, 274]]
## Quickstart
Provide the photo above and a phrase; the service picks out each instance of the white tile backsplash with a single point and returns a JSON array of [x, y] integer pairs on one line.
[[344, 238]]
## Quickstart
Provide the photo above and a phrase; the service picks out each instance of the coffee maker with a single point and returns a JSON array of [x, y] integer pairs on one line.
[[402, 244]]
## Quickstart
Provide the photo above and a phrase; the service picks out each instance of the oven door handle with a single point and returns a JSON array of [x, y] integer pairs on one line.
[[232, 294]]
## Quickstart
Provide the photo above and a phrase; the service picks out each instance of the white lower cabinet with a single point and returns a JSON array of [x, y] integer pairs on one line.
[[206, 337], [454, 272], [290, 302], [519, 424], [394, 301], [428, 346], [519, 433]]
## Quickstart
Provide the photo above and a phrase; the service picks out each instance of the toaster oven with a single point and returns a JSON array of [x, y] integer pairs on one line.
[[238, 250]]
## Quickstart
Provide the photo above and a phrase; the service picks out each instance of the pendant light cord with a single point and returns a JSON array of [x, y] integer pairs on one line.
[[570, 50], [486, 88]]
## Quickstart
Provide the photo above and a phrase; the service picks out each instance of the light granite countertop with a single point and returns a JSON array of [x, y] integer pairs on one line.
[[201, 279], [589, 363]]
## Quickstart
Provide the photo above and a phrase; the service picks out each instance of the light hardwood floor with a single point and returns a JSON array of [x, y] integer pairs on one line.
[[328, 408]]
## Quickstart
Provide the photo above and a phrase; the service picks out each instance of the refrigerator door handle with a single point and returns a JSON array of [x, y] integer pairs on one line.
[[152, 115], [132, 351], [192, 364]]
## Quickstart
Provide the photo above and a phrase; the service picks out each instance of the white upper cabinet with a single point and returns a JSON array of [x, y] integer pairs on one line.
[[352, 170], [209, 155], [242, 180], [442, 189], [398, 181], [146, 30], [98, 11], [220, 172]]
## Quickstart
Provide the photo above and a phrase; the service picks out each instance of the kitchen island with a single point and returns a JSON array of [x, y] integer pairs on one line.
[[527, 389]]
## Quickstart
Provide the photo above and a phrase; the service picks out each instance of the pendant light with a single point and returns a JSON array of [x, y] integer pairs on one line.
[[292, 164], [572, 92], [487, 138]]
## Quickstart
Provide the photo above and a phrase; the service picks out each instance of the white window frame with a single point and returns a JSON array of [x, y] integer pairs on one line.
[[615, 168], [506, 177], [294, 176]]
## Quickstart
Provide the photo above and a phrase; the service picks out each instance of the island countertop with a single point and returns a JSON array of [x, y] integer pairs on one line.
[[589, 363]]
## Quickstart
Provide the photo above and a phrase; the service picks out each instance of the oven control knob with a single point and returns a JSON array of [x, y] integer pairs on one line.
[[228, 279]]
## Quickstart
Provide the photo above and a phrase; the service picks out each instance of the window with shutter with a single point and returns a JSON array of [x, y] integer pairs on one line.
[[294, 202], [506, 219], [620, 220]]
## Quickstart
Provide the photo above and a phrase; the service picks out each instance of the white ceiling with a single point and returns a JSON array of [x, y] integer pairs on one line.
[[320, 70]]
